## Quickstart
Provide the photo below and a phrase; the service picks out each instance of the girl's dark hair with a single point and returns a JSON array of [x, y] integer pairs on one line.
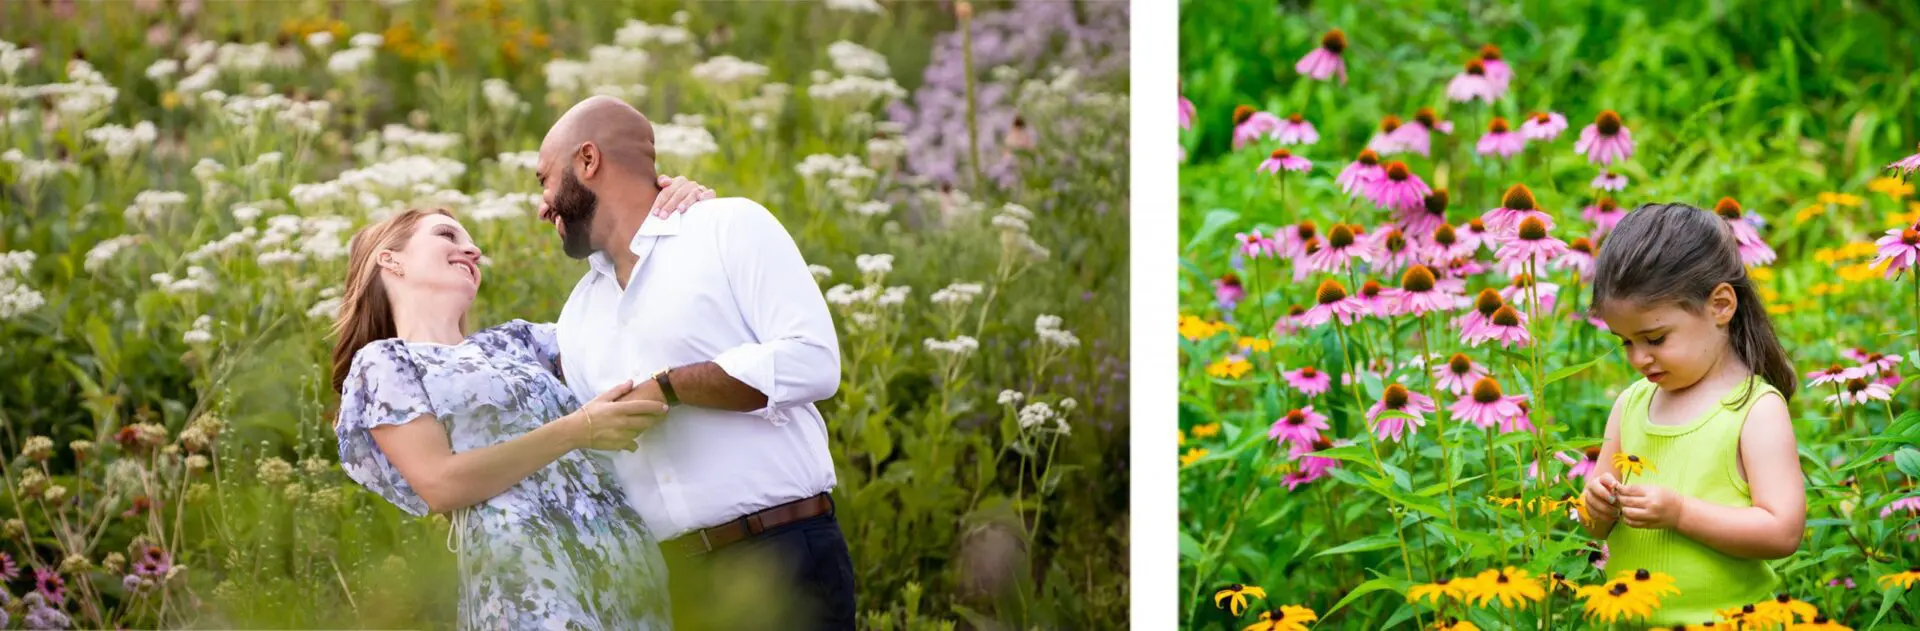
[[1678, 254]]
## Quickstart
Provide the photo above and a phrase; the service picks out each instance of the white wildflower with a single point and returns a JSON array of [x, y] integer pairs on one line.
[[320, 40], [856, 92], [523, 160], [350, 61], [959, 346], [30, 170], [841, 294], [152, 206], [728, 70], [1017, 210], [326, 308], [367, 40], [855, 6], [501, 97], [121, 142], [1035, 414], [245, 213], [894, 296], [1009, 397], [958, 293], [820, 272], [1009, 223], [1069, 404], [104, 251], [873, 209], [683, 141], [163, 69], [202, 331], [854, 59], [637, 34], [874, 263]]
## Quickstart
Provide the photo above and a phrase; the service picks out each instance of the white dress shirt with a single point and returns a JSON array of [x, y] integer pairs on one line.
[[721, 282]]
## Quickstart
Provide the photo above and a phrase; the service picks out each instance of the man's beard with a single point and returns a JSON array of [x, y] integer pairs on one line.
[[575, 205]]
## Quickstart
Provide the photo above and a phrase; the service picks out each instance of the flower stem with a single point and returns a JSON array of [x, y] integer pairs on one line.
[[1439, 424]]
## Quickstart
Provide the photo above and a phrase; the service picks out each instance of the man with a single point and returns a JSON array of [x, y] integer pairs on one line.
[[715, 313]]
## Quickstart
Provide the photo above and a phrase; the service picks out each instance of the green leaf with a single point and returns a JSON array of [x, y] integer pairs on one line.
[[1384, 582], [1217, 220], [1575, 369], [1908, 460], [1375, 542]]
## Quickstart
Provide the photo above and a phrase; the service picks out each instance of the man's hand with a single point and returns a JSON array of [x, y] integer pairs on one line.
[[1649, 506], [645, 389], [676, 194]]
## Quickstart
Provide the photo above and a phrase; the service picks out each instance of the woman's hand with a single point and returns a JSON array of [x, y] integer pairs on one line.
[[678, 193], [609, 423], [1649, 506]]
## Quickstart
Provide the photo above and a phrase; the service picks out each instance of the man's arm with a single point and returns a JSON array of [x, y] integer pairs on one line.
[[797, 359]]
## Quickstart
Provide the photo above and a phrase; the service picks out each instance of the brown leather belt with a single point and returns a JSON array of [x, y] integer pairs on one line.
[[707, 540]]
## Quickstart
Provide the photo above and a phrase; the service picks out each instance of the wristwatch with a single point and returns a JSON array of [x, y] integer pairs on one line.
[[666, 386]]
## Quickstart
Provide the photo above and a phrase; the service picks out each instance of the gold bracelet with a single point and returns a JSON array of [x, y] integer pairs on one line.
[[589, 411]]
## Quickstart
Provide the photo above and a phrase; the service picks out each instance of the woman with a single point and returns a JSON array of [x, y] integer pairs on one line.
[[482, 427]]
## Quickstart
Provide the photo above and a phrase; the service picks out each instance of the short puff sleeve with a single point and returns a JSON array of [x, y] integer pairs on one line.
[[383, 387]]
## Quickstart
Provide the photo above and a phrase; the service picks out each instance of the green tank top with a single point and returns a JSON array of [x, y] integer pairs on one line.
[[1698, 459]]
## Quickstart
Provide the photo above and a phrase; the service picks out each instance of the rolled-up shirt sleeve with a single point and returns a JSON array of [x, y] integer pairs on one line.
[[796, 358]]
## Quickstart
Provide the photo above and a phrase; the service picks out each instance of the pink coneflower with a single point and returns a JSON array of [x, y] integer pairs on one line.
[[50, 585], [1372, 297], [1325, 61], [1891, 380], [1292, 240], [1753, 249], [1899, 250], [1333, 302], [1910, 504], [1284, 159], [1485, 304], [153, 563], [1485, 406], [1301, 427], [1543, 126], [1187, 113], [1500, 140], [1308, 251], [1875, 363], [1398, 399], [1227, 292], [1290, 323], [1599, 557], [1604, 214], [1579, 258], [1860, 392], [1605, 141], [1418, 294], [1399, 189], [1460, 269], [1531, 243], [1417, 134], [8, 570], [1609, 181], [1906, 166], [1295, 130], [1507, 325], [1446, 245], [1308, 380], [1580, 465], [1363, 170], [1458, 375], [1835, 374], [1856, 354], [1522, 422], [1518, 292], [1383, 141], [1472, 83], [1254, 245], [1250, 124], [1497, 69], [1517, 204], [1337, 252], [1311, 467], [1430, 214]]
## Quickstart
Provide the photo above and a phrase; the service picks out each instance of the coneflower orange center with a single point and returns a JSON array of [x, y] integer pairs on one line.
[[1305, 230], [1426, 117], [1476, 67], [1340, 236], [1542, 118], [1417, 279], [1593, 453], [1910, 236], [1390, 123], [1459, 364], [1873, 357], [1294, 311], [1331, 292], [1294, 417], [1395, 397], [1334, 41], [1490, 52], [1581, 245], [1280, 154], [1231, 279], [1296, 118], [1608, 122], [1856, 385], [1727, 208], [1522, 281], [1607, 204], [1498, 126], [1370, 289], [1518, 197], [1533, 229], [1488, 302], [1444, 236], [1486, 390], [1506, 315], [1309, 372], [1397, 171], [1322, 444], [1368, 157], [1312, 245], [1476, 225], [1437, 201], [1241, 113]]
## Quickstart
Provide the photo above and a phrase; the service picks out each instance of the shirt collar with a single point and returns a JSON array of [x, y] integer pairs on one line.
[[652, 227]]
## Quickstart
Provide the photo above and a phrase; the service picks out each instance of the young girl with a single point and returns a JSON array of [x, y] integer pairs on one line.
[[1720, 492]]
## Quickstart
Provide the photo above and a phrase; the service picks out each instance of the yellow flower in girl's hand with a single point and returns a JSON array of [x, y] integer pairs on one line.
[[1630, 464]]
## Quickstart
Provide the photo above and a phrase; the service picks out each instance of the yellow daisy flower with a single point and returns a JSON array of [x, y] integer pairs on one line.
[[1630, 464], [1255, 344], [1183, 438], [1741, 616], [1841, 199], [1653, 584], [1760, 273], [1229, 368], [1206, 430], [1192, 455], [1195, 329], [1511, 585], [1789, 608], [1453, 624], [1891, 187], [1614, 601], [1820, 623], [1286, 618], [1809, 212], [1905, 580], [1234, 597], [1435, 591]]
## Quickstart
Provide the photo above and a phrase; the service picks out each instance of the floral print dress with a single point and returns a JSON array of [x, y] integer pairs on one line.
[[562, 549]]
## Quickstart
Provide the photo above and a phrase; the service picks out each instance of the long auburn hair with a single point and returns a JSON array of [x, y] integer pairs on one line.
[[1678, 254], [366, 312]]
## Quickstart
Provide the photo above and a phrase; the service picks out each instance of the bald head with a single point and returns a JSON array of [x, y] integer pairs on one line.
[[621, 135]]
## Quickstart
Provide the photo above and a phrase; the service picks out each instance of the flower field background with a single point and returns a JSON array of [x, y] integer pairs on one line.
[[1343, 462], [178, 189]]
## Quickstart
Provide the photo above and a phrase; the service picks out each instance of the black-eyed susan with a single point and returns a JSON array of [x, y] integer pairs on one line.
[[1510, 585], [1286, 618], [1791, 608], [1256, 344], [1230, 367], [1195, 328], [1436, 591], [1820, 623], [1649, 584], [1630, 464], [1192, 456], [1891, 187], [1740, 617], [1234, 597], [1905, 579], [1614, 601], [1206, 430], [1558, 581], [1453, 624]]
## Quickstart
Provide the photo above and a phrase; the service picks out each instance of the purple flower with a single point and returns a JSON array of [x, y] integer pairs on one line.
[[1543, 126], [1606, 141], [50, 585], [1500, 140], [1325, 61], [1609, 181], [1284, 159]]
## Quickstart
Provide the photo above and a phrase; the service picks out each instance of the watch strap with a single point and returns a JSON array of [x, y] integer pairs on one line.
[[666, 386]]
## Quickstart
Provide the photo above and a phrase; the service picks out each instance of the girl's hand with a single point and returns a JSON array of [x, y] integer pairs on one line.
[[1648, 506], [1599, 496]]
